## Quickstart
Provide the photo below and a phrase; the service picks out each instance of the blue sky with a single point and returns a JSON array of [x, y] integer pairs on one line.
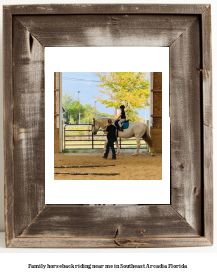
[[85, 83]]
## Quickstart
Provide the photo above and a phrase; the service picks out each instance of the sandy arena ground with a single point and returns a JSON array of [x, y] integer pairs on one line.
[[141, 167]]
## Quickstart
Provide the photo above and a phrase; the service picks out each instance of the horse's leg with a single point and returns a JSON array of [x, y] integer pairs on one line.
[[105, 144], [118, 148], [148, 140], [138, 145]]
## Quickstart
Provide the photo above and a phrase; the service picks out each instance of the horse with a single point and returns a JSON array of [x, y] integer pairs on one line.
[[137, 129]]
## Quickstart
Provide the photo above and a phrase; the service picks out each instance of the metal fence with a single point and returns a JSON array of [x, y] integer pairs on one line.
[[80, 136]]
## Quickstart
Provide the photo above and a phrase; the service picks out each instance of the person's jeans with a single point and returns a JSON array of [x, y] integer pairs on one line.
[[110, 144], [121, 121]]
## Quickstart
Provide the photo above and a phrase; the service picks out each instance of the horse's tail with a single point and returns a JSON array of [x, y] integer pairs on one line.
[[148, 140]]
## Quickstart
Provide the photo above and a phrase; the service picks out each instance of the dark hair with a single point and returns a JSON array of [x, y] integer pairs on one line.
[[122, 106]]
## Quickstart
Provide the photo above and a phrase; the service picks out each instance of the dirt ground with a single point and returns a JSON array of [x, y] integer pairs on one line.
[[128, 167]]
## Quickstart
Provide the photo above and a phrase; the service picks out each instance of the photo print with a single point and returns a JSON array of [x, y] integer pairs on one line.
[[110, 126]]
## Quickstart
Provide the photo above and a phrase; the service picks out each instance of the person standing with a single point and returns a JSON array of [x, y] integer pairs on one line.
[[122, 117], [111, 137]]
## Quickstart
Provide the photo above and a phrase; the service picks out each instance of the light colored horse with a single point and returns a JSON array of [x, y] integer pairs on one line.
[[137, 129]]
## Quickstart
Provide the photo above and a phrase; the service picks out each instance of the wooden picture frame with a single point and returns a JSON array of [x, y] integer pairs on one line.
[[186, 30]]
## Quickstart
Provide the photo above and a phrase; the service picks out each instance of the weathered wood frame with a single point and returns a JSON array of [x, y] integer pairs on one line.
[[188, 220]]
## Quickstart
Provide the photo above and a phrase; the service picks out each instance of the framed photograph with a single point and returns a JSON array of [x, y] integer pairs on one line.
[[89, 98], [124, 31]]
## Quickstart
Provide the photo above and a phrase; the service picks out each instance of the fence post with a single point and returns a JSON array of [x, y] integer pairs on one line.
[[92, 140], [64, 138], [88, 132]]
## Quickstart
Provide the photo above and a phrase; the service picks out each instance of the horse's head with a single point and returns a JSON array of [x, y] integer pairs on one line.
[[95, 127]]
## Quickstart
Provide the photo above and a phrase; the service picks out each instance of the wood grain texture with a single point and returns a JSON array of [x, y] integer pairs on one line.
[[185, 114], [207, 67], [29, 130], [156, 136], [56, 130], [106, 9], [107, 30], [188, 222], [33, 242], [8, 125], [208, 182], [105, 221], [207, 123]]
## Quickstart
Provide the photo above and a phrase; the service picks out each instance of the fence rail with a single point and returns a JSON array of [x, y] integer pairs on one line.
[[77, 137]]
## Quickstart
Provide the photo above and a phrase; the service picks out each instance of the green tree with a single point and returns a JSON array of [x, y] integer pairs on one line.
[[89, 112], [92, 112], [105, 115], [74, 109], [128, 88], [67, 99]]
